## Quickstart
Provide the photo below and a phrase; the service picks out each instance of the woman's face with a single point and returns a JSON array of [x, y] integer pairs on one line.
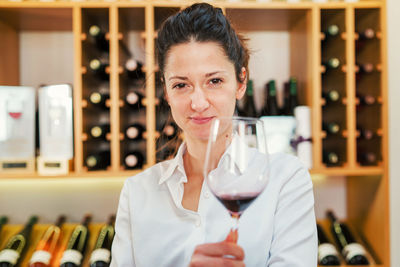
[[200, 85]]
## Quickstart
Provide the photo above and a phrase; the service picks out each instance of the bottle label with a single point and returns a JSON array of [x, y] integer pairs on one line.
[[9, 255], [71, 255], [325, 250], [352, 250], [41, 256], [100, 254]]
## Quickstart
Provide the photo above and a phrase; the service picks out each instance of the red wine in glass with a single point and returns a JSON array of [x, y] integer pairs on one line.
[[236, 204]]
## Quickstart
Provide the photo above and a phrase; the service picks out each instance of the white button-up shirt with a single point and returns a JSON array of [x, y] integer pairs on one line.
[[153, 229]]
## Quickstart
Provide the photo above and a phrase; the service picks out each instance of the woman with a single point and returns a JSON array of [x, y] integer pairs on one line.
[[166, 214]]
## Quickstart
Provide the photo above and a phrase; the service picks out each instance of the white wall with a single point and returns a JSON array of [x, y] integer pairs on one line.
[[393, 11]]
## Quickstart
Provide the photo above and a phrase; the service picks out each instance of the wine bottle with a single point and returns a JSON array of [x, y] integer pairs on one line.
[[3, 221], [162, 106], [331, 96], [331, 128], [353, 252], [47, 245], [169, 130], [365, 134], [98, 67], [366, 100], [331, 31], [73, 255], [101, 255], [366, 34], [99, 38], [134, 100], [134, 69], [292, 100], [249, 108], [286, 96], [134, 131], [17, 245], [99, 131], [366, 158], [134, 160], [332, 63], [99, 99], [98, 161], [365, 67], [331, 158], [327, 253], [271, 104]]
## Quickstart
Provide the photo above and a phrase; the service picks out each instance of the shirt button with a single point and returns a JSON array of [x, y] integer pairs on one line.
[[207, 194]]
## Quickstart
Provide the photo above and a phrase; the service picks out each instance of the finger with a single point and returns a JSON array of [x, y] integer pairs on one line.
[[199, 260], [221, 249], [232, 236]]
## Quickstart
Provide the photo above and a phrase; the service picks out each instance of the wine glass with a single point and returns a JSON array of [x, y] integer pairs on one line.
[[236, 166]]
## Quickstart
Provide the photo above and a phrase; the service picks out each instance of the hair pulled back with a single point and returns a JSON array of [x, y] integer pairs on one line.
[[202, 22]]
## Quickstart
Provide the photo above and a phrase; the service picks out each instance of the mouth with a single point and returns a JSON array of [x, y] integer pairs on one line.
[[201, 120]]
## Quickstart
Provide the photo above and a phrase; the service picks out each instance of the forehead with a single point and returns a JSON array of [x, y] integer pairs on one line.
[[194, 53]]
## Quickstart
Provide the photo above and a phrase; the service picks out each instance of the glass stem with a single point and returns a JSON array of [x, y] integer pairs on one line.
[[233, 234], [235, 223]]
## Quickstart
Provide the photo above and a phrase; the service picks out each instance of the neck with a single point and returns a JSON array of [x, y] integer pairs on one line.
[[194, 158]]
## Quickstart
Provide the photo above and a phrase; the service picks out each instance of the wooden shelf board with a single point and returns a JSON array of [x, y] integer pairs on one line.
[[38, 19], [73, 175], [335, 171]]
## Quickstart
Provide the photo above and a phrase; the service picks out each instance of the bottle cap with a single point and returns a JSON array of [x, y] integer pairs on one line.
[[334, 62], [132, 132], [95, 97], [96, 131], [95, 64], [334, 95], [131, 160], [91, 161], [333, 30], [94, 30], [132, 98], [131, 64]]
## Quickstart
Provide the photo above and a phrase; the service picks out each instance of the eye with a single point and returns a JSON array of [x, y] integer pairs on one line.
[[179, 86], [215, 82]]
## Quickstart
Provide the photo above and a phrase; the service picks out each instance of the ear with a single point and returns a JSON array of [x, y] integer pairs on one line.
[[241, 90]]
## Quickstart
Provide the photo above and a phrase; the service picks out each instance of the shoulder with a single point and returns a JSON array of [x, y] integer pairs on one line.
[[149, 178], [286, 167]]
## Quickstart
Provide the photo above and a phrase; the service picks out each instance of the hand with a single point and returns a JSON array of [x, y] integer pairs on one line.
[[214, 254]]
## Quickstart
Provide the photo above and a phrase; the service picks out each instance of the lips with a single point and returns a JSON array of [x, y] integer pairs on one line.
[[201, 120]]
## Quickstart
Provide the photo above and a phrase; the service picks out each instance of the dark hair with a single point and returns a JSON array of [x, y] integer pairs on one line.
[[202, 22]]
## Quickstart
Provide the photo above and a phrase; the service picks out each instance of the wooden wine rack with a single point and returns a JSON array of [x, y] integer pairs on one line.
[[367, 186], [37, 233]]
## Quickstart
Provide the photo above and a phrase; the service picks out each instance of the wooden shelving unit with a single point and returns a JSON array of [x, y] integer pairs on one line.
[[367, 186]]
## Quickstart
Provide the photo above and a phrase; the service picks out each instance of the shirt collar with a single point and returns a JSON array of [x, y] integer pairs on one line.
[[173, 164]]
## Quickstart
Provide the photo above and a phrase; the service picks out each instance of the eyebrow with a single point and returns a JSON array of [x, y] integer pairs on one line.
[[207, 75]]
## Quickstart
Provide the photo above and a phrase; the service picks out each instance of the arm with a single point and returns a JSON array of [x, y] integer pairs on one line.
[[122, 247], [295, 237]]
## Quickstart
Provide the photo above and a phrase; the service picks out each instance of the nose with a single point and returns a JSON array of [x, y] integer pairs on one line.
[[199, 101]]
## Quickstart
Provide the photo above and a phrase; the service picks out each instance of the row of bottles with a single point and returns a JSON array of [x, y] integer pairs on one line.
[[346, 249], [270, 108], [334, 93], [49, 250], [351, 251], [96, 88]]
